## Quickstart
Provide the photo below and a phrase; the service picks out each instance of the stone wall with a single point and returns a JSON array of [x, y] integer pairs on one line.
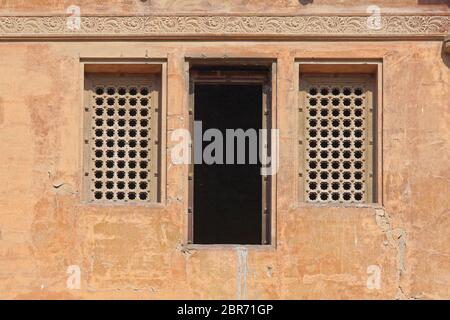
[[139, 252]]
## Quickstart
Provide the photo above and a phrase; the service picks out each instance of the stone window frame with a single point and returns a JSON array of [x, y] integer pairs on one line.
[[126, 65], [372, 67]]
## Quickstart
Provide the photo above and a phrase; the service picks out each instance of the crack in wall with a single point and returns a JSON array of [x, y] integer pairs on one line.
[[185, 250], [396, 238], [60, 186]]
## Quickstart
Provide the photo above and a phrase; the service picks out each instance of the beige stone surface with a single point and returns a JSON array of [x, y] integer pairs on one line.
[[138, 252], [121, 7]]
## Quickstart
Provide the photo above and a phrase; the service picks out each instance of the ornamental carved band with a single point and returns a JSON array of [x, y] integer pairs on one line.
[[225, 26]]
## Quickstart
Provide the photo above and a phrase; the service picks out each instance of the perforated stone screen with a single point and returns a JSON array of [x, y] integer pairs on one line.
[[337, 139], [121, 138]]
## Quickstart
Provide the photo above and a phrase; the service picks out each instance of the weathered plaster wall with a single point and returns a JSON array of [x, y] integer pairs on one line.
[[137, 252]]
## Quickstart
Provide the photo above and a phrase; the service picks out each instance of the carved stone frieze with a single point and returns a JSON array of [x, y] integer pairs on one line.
[[224, 26]]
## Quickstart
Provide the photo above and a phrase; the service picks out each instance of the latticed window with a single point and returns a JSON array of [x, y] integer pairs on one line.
[[121, 138], [336, 139]]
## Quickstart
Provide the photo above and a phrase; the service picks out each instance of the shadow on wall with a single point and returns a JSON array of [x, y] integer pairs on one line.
[[445, 55], [305, 2], [447, 2]]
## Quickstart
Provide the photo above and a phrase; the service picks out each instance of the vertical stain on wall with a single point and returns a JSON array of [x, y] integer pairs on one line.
[[241, 273], [1, 112]]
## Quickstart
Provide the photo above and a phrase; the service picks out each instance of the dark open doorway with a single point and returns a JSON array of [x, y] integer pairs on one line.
[[227, 198]]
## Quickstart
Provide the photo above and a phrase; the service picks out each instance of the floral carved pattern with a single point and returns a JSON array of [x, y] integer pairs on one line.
[[161, 26]]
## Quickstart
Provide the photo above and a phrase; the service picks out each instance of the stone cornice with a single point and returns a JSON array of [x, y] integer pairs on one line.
[[224, 26]]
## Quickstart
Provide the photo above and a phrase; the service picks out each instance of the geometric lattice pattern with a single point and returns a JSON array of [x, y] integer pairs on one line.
[[121, 164], [338, 142]]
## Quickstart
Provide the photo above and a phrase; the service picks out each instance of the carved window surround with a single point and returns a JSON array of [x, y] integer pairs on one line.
[[246, 27]]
